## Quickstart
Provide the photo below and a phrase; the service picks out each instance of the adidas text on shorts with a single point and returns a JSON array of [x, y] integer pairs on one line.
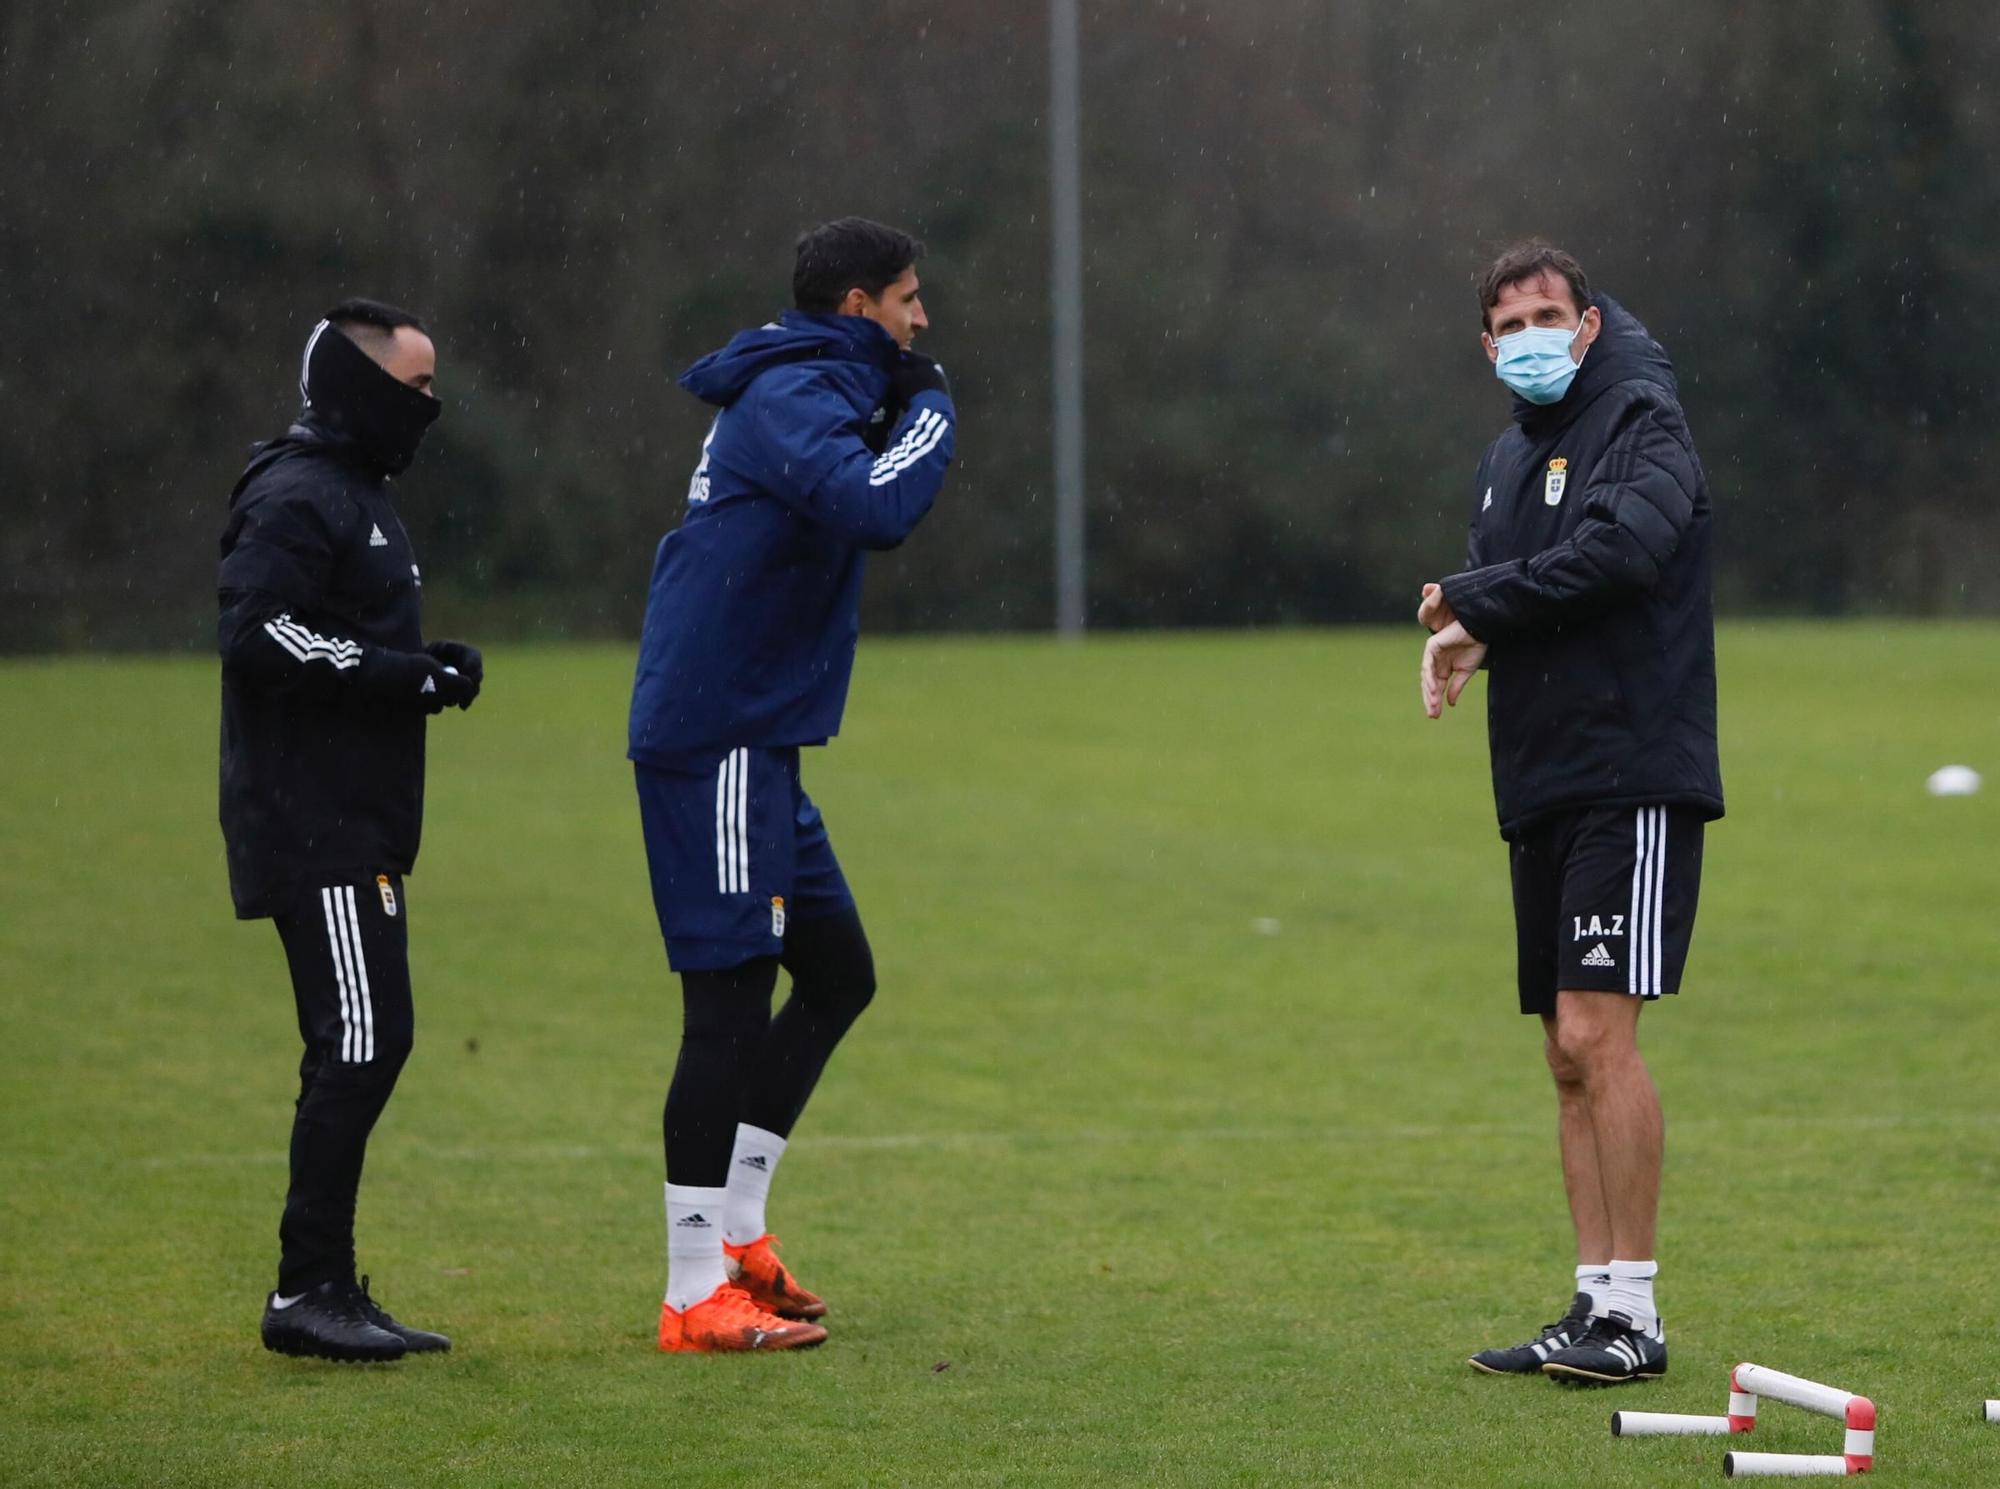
[[1604, 901]]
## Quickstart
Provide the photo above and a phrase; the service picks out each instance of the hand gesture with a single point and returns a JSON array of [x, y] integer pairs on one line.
[[458, 654], [1434, 614], [444, 686], [915, 373], [1451, 656]]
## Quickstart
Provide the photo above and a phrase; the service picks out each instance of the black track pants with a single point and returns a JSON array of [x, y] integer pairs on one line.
[[348, 947]]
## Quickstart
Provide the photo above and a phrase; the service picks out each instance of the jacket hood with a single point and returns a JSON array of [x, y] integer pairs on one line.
[[307, 437], [350, 400], [1623, 352], [797, 336]]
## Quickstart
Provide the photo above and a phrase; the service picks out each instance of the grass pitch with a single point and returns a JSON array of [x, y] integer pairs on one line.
[[1193, 1138]]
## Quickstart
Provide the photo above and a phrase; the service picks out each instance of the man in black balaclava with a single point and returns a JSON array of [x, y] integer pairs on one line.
[[326, 688]]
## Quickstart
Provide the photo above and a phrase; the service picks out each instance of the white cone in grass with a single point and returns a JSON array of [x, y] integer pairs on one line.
[[1953, 780]]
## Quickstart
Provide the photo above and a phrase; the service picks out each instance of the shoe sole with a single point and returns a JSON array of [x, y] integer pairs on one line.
[[1593, 1378], [1496, 1370], [775, 1349], [338, 1357]]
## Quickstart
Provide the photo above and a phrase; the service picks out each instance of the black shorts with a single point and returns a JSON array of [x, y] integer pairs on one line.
[[1604, 901]]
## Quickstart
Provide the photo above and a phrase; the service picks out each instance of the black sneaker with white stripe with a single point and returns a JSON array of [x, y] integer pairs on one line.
[[330, 1322], [1612, 1352], [1527, 1359]]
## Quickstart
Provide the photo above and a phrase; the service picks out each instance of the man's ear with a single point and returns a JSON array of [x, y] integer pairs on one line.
[[852, 301], [1593, 324], [1492, 348]]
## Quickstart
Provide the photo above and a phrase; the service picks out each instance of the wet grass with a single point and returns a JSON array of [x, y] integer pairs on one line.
[[1193, 1138]]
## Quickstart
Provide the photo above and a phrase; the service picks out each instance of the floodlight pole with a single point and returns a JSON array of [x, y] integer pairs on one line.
[[1066, 298]]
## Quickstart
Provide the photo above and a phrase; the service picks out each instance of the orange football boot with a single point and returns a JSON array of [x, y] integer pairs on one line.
[[726, 1321], [755, 1268]]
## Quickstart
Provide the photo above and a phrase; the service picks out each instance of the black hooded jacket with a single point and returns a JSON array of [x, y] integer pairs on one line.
[[324, 676], [1588, 576]]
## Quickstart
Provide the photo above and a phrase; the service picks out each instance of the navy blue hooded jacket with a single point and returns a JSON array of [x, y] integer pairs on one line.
[[1588, 576], [755, 603]]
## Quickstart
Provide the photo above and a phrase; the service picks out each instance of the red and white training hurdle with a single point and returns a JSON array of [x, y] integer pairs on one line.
[[1748, 1382]]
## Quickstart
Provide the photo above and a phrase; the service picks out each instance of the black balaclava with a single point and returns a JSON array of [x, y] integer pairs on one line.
[[348, 395]]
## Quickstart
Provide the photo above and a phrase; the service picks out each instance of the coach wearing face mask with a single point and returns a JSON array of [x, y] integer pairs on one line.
[[1586, 597], [326, 688]]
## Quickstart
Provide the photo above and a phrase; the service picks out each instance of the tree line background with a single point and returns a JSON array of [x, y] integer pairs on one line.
[[1285, 204]]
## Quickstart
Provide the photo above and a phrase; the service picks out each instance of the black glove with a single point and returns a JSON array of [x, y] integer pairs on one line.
[[915, 373], [446, 686], [402, 678], [465, 658]]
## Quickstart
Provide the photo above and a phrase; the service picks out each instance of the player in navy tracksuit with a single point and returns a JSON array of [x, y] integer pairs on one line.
[[1586, 596], [326, 687], [831, 438]]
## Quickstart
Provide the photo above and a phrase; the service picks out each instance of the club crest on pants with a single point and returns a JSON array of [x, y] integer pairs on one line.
[[777, 915], [388, 895]]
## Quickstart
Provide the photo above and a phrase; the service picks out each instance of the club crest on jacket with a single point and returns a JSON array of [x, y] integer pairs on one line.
[[1558, 477]]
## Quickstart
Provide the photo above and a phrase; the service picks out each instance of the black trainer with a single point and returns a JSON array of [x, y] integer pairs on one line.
[[416, 1341], [329, 1323], [1611, 1353], [1527, 1359]]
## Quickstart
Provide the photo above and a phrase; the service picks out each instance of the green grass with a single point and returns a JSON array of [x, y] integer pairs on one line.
[[1175, 1200]]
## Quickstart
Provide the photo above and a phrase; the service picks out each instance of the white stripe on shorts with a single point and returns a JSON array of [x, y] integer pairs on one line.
[[1659, 894], [1649, 884], [742, 821], [732, 823]]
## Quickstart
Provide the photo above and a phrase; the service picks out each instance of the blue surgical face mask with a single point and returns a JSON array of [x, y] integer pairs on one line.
[[1535, 362]]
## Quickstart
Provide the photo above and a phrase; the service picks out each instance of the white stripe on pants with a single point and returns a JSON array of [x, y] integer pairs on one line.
[[350, 975]]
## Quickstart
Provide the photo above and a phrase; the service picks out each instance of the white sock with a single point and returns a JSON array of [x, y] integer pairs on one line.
[[694, 1244], [1631, 1292], [751, 1165], [1593, 1280]]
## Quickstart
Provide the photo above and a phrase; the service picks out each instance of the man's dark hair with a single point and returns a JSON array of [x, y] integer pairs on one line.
[[369, 323], [1530, 259], [846, 253]]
